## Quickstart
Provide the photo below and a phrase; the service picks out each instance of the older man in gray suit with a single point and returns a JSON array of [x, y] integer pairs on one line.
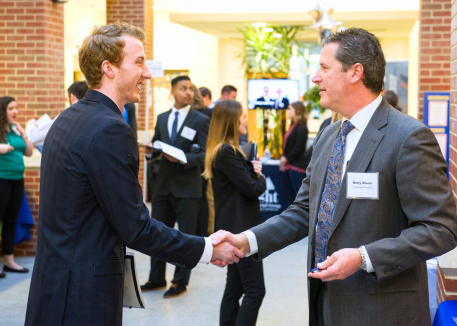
[[375, 204]]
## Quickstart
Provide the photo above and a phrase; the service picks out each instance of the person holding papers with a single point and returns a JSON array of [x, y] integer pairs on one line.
[[237, 184], [178, 185]]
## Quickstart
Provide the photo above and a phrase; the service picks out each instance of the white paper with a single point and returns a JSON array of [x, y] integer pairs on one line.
[[442, 141], [171, 150], [155, 67], [437, 113], [362, 185], [188, 133]]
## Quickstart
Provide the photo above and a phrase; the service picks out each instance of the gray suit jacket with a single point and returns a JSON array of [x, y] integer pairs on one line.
[[413, 220]]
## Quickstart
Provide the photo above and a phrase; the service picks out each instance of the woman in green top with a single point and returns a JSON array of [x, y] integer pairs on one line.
[[13, 145]]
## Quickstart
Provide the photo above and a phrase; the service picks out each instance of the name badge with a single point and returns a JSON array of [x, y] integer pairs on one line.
[[188, 133], [362, 185]]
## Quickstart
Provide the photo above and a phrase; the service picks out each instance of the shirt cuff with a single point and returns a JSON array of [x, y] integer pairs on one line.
[[148, 155], [370, 268], [208, 252], [252, 242]]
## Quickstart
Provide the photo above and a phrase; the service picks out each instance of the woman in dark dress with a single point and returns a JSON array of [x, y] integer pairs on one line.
[[293, 161], [237, 184]]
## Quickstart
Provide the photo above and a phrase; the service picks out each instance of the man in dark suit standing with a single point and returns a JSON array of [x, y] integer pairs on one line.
[[178, 186], [375, 203], [281, 103], [91, 203]]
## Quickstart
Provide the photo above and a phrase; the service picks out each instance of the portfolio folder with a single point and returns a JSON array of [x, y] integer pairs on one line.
[[133, 298]]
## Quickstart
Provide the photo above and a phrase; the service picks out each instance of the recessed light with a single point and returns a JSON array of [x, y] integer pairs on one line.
[[268, 29], [259, 24], [157, 7], [277, 35]]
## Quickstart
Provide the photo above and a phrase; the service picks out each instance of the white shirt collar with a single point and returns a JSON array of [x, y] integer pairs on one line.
[[183, 111], [360, 119]]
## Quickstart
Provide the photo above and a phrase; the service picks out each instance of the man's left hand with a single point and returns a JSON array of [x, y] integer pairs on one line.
[[340, 265], [170, 158]]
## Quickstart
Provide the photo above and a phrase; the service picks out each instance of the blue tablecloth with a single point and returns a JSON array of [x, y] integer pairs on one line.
[[279, 194], [446, 315], [24, 223]]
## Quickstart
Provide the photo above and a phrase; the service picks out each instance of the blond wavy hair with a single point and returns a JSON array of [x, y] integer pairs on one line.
[[105, 43]]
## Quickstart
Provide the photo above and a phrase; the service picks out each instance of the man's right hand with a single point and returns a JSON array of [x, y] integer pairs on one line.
[[6, 148], [149, 150], [240, 241]]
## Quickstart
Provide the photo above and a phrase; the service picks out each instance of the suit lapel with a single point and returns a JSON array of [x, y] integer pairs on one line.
[[361, 158], [320, 167], [164, 128]]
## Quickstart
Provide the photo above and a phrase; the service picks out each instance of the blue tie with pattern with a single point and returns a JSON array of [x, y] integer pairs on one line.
[[330, 195], [174, 128]]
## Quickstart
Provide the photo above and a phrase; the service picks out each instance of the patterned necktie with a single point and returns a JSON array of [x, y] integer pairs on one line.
[[330, 195], [174, 128]]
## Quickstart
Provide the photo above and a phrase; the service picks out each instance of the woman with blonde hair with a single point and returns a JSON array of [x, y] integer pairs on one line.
[[293, 160], [237, 184]]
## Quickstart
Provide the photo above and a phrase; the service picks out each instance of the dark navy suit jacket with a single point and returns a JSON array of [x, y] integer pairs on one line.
[[91, 206]]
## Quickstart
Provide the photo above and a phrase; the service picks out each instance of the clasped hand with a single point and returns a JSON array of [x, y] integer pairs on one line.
[[228, 248], [338, 266]]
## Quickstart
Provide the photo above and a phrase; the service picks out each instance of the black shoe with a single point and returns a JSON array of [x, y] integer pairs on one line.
[[174, 291], [150, 286], [12, 270], [2, 275]]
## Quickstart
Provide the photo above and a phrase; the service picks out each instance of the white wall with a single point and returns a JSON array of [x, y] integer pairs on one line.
[[231, 71], [79, 21], [182, 48]]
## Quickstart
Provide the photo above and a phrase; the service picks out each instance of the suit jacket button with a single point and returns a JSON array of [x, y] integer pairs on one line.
[[392, 269], [399, 268], [386, 271]]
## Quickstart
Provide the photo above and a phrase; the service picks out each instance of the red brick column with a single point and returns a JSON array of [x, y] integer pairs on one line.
[[138, 13], [434, 48], [32, 71]]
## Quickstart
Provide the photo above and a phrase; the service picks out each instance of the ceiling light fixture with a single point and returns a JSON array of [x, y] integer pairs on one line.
[[277, 35], [268, 29], [259, 24]]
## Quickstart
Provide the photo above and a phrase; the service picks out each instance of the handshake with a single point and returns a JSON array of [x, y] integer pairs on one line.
[[228, 248]]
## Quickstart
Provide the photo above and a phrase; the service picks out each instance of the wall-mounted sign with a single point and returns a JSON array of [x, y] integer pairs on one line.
[[436, 117], [155, 67]]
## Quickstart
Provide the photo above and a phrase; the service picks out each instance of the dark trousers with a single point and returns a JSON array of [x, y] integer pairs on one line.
[[246, 278], [168, 210], [296, 179], [319, 311], [11, 194], [203, 212]]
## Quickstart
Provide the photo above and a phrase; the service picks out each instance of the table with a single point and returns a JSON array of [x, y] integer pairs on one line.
[[446, 315], [279, 194], [24, 222]]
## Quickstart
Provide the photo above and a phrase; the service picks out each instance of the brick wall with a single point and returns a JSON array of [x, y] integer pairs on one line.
[[32, 56], [434, 48], [138, 13], [32, 71], [446, 284]]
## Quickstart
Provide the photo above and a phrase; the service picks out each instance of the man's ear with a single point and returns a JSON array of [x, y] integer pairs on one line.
[[73, 99], [356, 73], [107, 68]]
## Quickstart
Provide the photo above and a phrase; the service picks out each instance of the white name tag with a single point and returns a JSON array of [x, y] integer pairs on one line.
[[362, 185], [188, 133]]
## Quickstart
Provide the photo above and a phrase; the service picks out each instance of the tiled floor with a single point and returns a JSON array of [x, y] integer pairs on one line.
[[285, 302]]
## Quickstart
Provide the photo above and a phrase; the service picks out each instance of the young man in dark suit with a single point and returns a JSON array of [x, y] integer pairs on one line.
[[91, 204], [178, 186]]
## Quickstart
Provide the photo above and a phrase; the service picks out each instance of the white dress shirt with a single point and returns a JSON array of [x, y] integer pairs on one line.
[[360, 121], [182, 114]]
